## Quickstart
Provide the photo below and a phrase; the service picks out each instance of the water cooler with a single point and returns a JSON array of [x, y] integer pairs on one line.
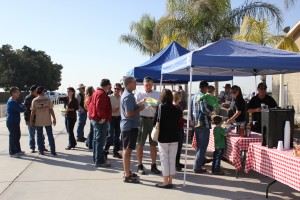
[[272, 125]]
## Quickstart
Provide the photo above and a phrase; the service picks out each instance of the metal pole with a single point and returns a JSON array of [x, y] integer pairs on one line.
[[160, 85], [281, 86], [188, 125]]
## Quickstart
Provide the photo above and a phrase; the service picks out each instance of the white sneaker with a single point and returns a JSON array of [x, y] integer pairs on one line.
[[21, 153]]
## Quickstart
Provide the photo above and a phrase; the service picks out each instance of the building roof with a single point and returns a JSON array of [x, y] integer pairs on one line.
[[294, 30]]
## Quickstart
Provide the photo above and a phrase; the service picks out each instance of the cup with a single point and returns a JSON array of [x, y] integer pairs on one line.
[[262, 105], [265, 107], [280, 146]]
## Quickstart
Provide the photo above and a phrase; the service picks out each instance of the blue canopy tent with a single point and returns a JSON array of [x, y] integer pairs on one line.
[[234, 58], [153, 67]]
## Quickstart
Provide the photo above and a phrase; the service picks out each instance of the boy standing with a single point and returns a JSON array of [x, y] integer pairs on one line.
[[220, 144]]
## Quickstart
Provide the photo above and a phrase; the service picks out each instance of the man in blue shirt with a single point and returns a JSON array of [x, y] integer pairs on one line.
[[201, 112], [13, 119], [130, 119]]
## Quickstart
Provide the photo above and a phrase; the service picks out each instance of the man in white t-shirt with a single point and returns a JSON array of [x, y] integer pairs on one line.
[[146, 126]]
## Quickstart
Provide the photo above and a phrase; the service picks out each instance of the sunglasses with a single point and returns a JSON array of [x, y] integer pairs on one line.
[[69, 91], [117, 88], [233, 92]]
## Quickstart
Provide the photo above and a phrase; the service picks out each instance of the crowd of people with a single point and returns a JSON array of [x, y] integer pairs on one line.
[[123, 119]]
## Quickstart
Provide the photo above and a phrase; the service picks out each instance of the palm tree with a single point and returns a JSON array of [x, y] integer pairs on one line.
[[207, 21], [142, 36], [257, 31], [289, 3], [170, 35], [150, 36]]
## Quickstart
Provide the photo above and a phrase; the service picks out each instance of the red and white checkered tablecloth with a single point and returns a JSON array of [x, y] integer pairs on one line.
[[234, 145], [279, 165]]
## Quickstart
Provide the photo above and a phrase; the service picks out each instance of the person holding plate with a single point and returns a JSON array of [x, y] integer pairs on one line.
[[70, 106], [152, 98]]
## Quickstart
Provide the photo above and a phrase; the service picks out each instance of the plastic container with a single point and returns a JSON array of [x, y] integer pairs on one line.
[[248, 130], [242, 130]]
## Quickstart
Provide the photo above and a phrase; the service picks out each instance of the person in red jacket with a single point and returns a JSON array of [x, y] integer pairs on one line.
[[100, 113]]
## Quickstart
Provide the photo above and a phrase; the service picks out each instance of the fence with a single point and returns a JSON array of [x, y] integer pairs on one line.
[[2, 111], [4, 96], [3, 107]]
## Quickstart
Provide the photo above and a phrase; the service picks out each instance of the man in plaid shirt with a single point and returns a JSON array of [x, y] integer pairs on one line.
[[201, 112]]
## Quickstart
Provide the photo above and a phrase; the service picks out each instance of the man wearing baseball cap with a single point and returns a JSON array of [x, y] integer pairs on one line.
[[82, 114], [100, 113], [31, 129], [225, 96], [254, 105], [41, 113]]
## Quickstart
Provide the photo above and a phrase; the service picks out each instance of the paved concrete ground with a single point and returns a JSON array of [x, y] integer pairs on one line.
[[71, 175]]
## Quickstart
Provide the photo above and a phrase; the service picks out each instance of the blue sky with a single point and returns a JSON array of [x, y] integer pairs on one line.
[[83, 35]]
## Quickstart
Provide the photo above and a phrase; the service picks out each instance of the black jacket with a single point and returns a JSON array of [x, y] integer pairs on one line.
[[169, 120], [27, 104], [73, 104]]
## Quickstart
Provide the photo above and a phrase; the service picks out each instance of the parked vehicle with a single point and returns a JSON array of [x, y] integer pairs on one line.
[[62, 94], [52, 95]]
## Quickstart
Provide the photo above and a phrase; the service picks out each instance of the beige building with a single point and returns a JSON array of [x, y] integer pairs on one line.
[[291, 81]]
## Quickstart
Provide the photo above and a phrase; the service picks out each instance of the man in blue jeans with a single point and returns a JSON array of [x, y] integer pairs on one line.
[[41, 112], [200, 111], [82, 114], [100, 112], [31, 129]]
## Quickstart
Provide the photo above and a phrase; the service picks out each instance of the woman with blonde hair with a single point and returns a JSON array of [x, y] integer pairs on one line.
[[88, 93], [168, 137]]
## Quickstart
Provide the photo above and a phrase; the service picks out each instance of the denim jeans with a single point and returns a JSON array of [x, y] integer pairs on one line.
[[31, 130], [90, 137], [70, 123], [218, 153], [114, 135], [14, 138], [41, 138], [82, 116], [100, 131], [202, 138], [180, 142]]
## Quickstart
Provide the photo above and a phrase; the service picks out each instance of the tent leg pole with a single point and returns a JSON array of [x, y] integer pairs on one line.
[[160, 85], [188, 125], [281, 86]]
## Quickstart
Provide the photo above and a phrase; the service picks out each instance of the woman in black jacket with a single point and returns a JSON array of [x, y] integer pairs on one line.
[[168, 137], [239, 108], [71, 105]]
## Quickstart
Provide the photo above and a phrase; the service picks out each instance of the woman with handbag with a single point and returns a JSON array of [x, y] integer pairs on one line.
[[71, 105], [168, 116]]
